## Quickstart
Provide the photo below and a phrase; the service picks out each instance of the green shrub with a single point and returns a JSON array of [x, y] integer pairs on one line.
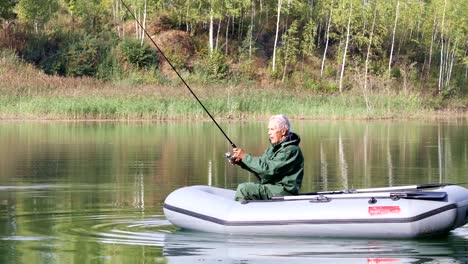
[[141, 56], [248, 69], [43, 51], [66, 54], [395, 72], [213, 66], [83, 57], [311, 84], [109, 68]]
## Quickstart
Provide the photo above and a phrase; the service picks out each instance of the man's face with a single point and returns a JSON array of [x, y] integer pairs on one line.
[[275, 134]]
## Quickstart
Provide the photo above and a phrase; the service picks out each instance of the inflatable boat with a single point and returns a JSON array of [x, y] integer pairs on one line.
[[392, 212]]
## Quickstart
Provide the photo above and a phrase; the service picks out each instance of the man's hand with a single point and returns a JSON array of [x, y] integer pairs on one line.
[[238, 154]]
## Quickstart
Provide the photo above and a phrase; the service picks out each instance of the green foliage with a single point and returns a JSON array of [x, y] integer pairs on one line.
[[319, 86], [6, 9], [71, 54], [177, 58], [36, 12], [213, 66], [395, 72], [310, 34], [109, 68], [311, 84], [248, 69], [141, 56], [288, 52], [238, 26], [92, 13], [44, 51], [83, 57]]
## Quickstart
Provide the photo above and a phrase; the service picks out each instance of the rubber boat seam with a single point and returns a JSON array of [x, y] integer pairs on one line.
[[305, 221]]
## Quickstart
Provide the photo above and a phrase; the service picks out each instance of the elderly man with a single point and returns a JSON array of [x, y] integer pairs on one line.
[[280, 168]]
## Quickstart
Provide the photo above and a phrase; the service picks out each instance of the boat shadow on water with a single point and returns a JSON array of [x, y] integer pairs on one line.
[[193, 246]]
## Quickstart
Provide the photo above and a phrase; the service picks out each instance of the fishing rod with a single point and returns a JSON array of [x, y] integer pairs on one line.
[[178, 74]]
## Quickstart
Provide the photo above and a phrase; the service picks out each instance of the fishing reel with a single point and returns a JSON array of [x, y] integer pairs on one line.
[[230, 157]]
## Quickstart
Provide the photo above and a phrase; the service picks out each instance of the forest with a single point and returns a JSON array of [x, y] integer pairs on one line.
[[322, 46]]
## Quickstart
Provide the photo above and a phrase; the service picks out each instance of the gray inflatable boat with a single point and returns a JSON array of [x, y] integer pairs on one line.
[[369, 213]]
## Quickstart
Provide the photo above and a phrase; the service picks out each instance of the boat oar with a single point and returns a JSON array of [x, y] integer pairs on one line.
[[382, 189], [421, 195]]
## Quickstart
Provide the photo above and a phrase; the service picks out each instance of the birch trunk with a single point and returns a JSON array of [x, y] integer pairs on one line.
[[217, 34], [346, 47], [143, 24], [187, 18], [252, 20], [450, 64], [326, 42], [445, 66], [211, 30], [366, 68], [434, 32], [276, 36], [286, 58], [393, 38], [440, 87], [227, 35], [446, 62]]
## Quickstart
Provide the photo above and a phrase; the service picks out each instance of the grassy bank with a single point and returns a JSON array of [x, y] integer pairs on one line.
[[27, 93], [250, 103]]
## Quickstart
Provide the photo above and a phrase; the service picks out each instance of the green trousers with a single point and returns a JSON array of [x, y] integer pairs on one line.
[[257, 191]]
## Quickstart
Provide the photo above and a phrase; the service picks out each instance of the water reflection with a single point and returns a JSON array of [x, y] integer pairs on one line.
[[132, 237], [93, 191], [187, 247]]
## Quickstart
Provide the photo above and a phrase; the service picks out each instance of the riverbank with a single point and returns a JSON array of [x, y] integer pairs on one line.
[[27, 93], [161, 103]]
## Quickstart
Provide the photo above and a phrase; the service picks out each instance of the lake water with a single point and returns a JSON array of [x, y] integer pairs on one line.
[[92, 192]]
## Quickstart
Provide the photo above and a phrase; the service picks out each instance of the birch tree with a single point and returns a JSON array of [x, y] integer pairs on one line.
[[366, 67], [327, 40], [441, 67], [251, 27], [273, 67], [290, 48], [346, 47], [210, 38], [36, 12], [393, 38]]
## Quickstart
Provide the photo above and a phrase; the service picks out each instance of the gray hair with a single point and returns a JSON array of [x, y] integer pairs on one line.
[[281, 121]]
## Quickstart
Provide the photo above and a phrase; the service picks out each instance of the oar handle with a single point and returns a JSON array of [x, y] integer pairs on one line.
[[382, 189]]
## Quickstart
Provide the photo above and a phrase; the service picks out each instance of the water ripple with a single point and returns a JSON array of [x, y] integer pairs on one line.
[[158, 236]]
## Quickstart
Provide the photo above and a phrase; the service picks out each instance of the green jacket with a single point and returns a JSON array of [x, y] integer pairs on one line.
[[281, 165]]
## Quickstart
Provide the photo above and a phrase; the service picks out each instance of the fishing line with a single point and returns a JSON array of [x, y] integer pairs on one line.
[[173, 68]]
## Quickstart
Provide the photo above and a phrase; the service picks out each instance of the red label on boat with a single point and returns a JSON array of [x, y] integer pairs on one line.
[[381, 260], [383, 210]]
